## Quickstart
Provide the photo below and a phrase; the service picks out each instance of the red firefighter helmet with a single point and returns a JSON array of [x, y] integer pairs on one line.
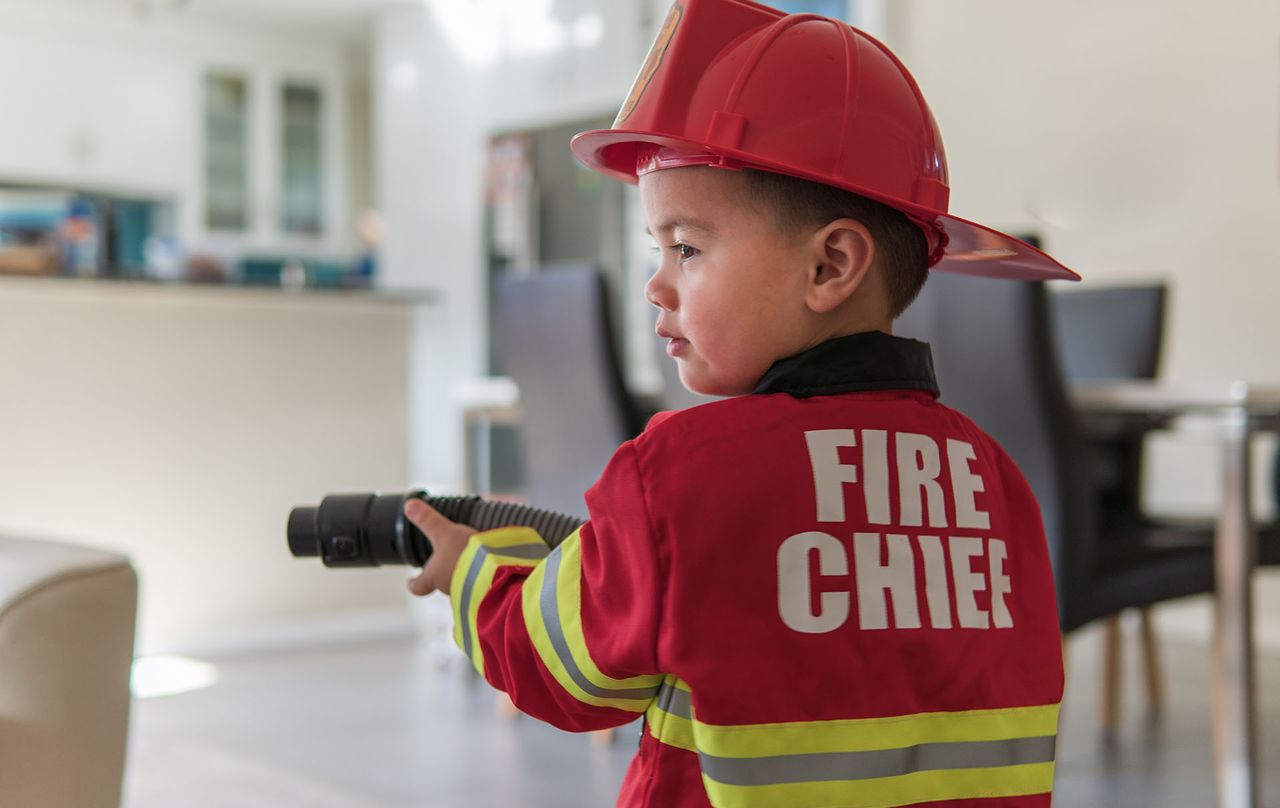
[[735, 84]]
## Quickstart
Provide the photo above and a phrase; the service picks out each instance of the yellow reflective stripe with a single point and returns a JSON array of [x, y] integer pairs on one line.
[[552, 604], [926, 786], [853, 735], [514, 545], [863, 763], [473, 577], [667, 717]]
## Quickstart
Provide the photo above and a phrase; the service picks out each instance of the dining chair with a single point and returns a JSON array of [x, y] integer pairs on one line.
[[1106, 334], [994, 351], [553, 334]]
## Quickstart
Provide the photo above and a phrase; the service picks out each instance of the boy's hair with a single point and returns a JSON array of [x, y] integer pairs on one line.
[[902, 252]]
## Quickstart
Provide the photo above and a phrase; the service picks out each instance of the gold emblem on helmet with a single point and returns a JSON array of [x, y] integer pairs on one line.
[[651, 63]]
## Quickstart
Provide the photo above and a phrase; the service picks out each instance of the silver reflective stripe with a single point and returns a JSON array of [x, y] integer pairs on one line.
[[675, 701], [830, 766], [550, 609], [464, 600], [530, 551]]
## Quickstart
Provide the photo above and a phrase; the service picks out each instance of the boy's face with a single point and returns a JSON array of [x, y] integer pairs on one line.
[[730, 285]]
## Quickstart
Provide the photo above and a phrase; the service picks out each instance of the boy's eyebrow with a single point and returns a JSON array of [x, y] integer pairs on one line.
[[685, 222]]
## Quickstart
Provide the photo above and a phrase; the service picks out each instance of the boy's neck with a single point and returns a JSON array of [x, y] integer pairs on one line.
[[850, 326]]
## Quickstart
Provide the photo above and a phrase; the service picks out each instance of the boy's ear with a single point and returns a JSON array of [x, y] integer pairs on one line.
[[843, 254]]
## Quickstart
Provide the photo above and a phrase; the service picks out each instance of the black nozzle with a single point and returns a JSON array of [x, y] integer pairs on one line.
[[302, 531], [368, 530], [358, 530]]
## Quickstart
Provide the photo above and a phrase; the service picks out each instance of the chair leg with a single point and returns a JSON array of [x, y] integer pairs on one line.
[[1109, 707], [1151, 662]]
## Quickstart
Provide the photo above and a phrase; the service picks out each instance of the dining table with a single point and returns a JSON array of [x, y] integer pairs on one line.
[[1235, 412]]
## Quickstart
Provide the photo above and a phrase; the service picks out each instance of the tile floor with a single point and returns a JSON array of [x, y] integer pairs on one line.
[[386, 725]]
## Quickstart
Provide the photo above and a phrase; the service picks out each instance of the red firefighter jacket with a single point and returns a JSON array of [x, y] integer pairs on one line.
[[832, 592]]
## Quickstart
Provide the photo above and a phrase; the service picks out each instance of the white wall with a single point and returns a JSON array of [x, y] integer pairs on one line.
[[359, 126], [435, 106], [180, 425], [1141, 138], [97, 98]]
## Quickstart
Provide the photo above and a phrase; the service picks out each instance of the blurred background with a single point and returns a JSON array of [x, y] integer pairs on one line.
[[251, 251]]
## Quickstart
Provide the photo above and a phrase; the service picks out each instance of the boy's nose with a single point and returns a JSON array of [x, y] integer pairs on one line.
[[658, 293]]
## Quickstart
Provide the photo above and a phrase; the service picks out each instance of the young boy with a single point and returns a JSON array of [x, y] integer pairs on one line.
[[827, 589]]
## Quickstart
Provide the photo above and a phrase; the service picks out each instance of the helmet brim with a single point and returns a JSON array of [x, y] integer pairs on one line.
[[971, 249]]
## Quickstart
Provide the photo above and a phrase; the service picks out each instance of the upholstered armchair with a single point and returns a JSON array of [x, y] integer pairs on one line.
[[67, 618]]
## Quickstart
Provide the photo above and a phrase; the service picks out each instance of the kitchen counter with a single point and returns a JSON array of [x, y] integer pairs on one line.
[[180, 423], [236, 294]]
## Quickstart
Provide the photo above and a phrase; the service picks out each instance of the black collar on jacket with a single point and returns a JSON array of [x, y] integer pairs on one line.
[[872, 360]]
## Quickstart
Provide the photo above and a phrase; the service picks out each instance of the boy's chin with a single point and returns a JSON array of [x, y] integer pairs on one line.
[[702, 385]]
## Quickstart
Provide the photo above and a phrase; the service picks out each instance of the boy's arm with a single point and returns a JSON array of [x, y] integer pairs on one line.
[[569, 634]]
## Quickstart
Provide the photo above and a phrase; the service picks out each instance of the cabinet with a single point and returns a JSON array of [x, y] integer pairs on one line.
[[268, 157], [302, 159], [226, 152]]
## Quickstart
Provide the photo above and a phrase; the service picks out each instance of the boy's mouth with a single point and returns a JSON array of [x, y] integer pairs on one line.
[[675, 345]]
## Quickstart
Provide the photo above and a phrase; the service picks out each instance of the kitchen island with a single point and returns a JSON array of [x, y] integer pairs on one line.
[[179, 424]]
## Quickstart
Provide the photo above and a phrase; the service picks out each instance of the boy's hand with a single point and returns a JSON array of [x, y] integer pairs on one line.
[[448, 540]]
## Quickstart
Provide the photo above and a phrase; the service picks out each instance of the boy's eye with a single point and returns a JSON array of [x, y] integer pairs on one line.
[[685, 251]]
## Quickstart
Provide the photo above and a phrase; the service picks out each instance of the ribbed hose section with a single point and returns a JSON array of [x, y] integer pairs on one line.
[[483, 515]]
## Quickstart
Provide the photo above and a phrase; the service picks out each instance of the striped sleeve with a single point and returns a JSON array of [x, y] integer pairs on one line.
[[513, 550], [570, 634]]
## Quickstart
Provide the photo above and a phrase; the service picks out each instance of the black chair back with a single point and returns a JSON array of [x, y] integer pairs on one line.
[[553, 335], [1109, 333], [994, 355], [1103, 334]]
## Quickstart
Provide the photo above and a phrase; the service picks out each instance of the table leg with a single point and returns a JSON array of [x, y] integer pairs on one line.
[[1234, 733], [484, 463], [468, 452]]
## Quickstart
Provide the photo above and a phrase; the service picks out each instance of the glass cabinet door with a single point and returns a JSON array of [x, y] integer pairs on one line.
[[226, 152], [301, 159]]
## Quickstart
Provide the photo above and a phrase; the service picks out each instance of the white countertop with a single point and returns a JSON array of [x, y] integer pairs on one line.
[[213, 293]]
